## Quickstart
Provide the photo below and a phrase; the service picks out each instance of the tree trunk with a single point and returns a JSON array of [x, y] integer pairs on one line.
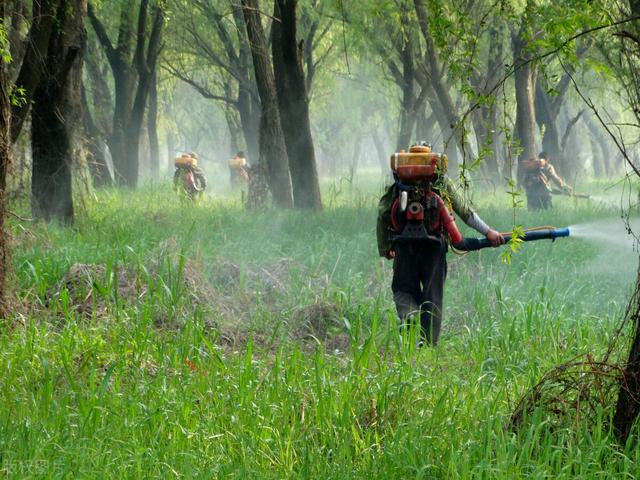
[[145, 63], [152, 129], [294, 107], [101, 174], [234, 130], [53, 115], [248, 103], [525, 102], [409, 98], [439, 85], [628, 405], [548, 121], [171, 149], [425, 124], [132, 82], [5, 161], [273, 152], [382, 154], [608, 158], [44, 13], [249, 110], [597, 156], [489, 137]]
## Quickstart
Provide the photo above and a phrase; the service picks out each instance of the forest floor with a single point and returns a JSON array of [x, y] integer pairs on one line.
[[162, 339]]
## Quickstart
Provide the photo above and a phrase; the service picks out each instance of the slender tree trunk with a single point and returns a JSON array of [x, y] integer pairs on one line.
[[152, 129], [293, 104], [132, 82], [273, 152], [145, 63], [17, 14], [98, 167], [548, 122], [489, 112], [124, 82], [425, 124], [248, 103], [409, 98], [99, 93], [440, 86], [234, 130], [53, 115], [382, 154], [171, 149], [525, 102], [5, 162], [249, 111], [607, 159], [355, 157]]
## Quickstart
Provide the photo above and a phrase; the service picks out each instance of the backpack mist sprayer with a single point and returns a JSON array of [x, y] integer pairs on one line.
[[419, 213]]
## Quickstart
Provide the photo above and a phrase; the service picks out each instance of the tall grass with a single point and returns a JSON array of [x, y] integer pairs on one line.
[[152, 389]]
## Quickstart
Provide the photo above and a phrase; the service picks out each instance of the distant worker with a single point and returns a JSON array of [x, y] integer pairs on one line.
[[537, 173], [238, 170], [414, 228], [189, 179]]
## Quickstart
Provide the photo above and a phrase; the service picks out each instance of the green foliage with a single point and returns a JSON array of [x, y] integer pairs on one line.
[[5, 53], [18, 96], [514, 245], [151, 389]]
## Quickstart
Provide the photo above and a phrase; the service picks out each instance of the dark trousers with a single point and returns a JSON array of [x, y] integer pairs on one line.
[[538, 202], [419, 272]]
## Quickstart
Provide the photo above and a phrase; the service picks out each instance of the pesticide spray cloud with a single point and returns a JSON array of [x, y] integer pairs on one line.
[[614, 233]]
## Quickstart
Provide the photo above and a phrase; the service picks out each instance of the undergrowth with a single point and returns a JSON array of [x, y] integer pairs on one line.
[[160, 339]]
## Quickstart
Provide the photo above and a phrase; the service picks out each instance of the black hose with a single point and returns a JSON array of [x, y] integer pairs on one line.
[[470, 244]]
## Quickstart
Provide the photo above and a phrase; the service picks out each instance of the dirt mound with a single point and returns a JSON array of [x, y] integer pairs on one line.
[[89, 288], [94, 290], [315, 320]]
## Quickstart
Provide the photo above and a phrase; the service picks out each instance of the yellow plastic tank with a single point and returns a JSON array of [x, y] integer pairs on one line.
[[418, 164], [186, 161], [237, 162]]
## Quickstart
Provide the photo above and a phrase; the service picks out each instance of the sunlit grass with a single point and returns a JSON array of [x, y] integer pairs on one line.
[[152, 389]]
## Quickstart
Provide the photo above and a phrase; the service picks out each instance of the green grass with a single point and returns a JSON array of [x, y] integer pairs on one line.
[[151, 389]]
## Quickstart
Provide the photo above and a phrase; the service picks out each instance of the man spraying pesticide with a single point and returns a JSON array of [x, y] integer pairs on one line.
[[415, 227]]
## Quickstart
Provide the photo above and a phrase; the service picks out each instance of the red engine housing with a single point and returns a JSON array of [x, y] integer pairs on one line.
[[443, 221]]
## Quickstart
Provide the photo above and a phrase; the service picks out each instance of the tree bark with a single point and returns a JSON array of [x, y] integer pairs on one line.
[[628, 405], [145, 64], [152, 129], [293, 105], [409, 97], [132, 82], [608, 159], [525, 101], [382, 153], [44, 14], [273, 153], [53, 115], [98, 164], [5, 162], [438, 82], [124, 80], [249, 111]]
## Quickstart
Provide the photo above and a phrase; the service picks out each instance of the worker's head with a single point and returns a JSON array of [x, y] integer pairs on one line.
[[193, 155], [544, 156], [240, 154]]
